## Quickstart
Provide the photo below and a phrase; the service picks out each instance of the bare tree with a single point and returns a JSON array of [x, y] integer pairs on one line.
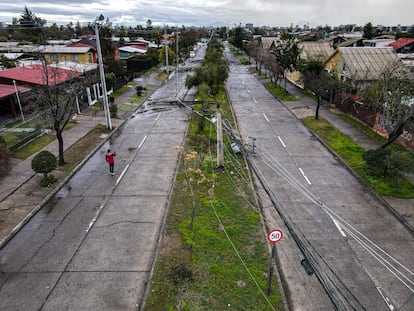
[[393, 96], [57, 98]]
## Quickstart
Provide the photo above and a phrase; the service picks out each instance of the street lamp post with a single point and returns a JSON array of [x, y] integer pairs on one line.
[[103, 82], [18, 100]]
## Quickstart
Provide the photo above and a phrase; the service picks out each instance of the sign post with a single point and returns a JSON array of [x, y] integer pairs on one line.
[[273, 236]]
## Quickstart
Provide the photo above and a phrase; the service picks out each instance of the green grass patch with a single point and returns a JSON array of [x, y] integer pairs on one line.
[[197, 268], [83, 147], [244, 60], [370, 133], [127, 107], [364, 129], [13, 138], [352, 154], [151, 70], [34, 146], [280, 92], [121, 91], [37, 144], [162, 76]]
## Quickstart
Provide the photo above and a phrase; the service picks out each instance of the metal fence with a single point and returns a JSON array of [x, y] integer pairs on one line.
[[18, 133]]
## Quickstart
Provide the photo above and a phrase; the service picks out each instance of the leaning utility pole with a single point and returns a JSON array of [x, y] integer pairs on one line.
[[220, 154], [178, 58], [103, 82]]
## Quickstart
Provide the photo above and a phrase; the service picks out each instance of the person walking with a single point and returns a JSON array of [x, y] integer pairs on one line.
[[111, 160]]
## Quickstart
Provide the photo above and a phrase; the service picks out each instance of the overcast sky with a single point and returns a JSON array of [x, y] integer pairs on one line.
[[217, 12]]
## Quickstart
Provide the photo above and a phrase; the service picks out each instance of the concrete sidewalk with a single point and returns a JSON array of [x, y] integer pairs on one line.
[[20, 193], [403, 209]]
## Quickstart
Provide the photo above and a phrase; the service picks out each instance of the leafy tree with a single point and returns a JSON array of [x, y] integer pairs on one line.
[[213, 71], [8, 63], [368, 31], [149, 24], [287, 53], [314, 79], [44, 162], [239, 36], [31, 25], [251, 49], [171, 56], [78, 29]]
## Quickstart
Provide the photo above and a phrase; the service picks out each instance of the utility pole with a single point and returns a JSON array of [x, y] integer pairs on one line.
[[177, 57], [220, 153], [103, 82], [166, 53], [18, 100]]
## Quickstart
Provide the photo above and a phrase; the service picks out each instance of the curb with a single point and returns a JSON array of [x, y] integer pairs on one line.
[[34, 211], [377, 196]]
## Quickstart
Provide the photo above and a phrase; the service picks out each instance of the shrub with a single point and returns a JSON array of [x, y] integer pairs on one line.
[[44, 162], [139, 90], [375, 160]]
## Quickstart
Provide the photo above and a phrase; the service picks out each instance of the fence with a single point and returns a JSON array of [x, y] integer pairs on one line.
[[18, 133], [349, 105]]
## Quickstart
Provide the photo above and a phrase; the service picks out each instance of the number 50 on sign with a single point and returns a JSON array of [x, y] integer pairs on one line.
[[274, 236]]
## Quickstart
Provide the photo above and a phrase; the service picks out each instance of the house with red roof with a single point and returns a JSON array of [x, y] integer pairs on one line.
[[403, 45], [36, 74], [8, 99], [27, 78]]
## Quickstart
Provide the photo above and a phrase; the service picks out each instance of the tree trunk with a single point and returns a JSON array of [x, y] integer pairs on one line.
[[393, 135], [317, 107], [60, 140]]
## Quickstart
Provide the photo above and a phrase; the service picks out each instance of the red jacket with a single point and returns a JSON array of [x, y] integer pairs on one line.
[[110, 157]]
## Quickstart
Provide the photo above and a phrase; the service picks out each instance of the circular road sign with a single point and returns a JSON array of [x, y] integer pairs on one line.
[[274, 236]]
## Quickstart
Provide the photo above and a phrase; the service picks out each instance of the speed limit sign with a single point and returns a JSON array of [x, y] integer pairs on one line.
[[275, 236]]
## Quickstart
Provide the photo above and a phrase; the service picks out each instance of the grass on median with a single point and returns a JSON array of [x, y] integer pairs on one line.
[[280, 92], [197, 268], [83, 147], [37, 144], [352, 154]]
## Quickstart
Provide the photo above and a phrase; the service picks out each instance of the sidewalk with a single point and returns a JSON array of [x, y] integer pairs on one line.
[[20, 194], [403, 208]]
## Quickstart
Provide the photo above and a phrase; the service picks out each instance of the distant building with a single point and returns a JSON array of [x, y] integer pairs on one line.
[[249, 26], [403, 45]]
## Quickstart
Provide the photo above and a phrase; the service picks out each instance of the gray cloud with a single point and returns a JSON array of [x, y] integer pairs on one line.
[[217, 12]]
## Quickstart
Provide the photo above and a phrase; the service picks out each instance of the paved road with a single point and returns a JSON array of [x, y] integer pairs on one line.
[[325, 205], [92, 246]]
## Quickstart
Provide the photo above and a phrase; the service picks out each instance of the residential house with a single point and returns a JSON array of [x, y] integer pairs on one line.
[[26, 78], [378, 42], [361, 64], [315, 50], [37, 75], [351, 42], [127, 52], [9, 105], [403, 45], [78, 54], [311, 50]]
